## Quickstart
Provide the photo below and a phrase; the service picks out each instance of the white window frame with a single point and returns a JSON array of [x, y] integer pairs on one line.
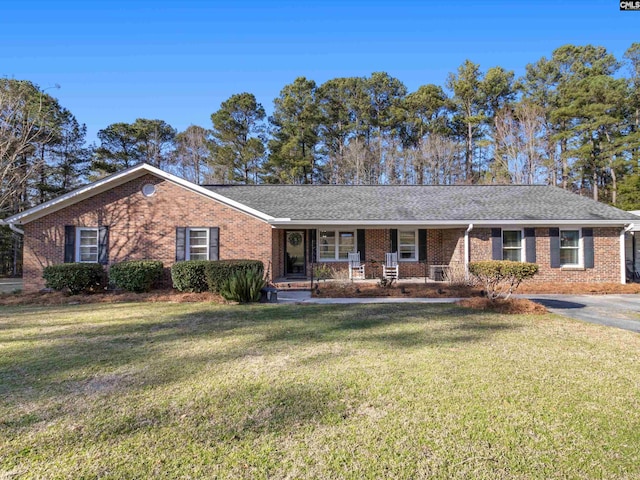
[[523, 250], [416, 254], [187, 255], [336, 252], [580, 248], [97, 245]]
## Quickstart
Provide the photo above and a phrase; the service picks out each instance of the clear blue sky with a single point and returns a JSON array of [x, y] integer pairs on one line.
[[177, 61]]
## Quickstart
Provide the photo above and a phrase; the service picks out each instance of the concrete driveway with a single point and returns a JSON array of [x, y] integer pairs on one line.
[[620, 311]]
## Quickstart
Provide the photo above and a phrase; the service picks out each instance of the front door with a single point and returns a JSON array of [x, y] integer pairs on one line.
[[294, 253]]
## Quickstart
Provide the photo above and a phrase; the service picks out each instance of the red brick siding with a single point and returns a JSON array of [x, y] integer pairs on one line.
[[144, 227], [606, 246]]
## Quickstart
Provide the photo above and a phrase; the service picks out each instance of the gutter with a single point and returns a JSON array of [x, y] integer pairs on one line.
[[286, 222], [467, 250], [12, 227]]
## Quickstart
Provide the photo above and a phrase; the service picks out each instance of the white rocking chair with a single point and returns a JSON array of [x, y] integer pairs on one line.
[[390, 268], [356, 269]]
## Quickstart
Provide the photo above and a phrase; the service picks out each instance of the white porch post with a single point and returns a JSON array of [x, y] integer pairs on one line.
[[623, 253], [467, 249]]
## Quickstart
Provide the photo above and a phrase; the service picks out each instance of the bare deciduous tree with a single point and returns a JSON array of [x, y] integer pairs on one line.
[[22, 120], [519, 142], [193, 155]]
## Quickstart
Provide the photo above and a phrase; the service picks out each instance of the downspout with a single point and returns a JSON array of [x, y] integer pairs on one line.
[[15, 229], [467, 250], [623, 254], [19, 231]]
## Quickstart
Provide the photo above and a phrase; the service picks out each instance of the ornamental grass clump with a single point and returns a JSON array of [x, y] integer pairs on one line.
[[500, 278], [243, 286]]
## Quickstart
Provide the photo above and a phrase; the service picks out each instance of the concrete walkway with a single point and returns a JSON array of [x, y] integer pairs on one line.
[[9, 285], [297, 296], [619, 311]]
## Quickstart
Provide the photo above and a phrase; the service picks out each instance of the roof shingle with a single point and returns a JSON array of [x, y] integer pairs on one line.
[[464, 203]]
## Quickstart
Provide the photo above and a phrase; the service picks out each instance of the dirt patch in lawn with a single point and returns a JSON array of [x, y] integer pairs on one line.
[[511, 306], [60, 298]]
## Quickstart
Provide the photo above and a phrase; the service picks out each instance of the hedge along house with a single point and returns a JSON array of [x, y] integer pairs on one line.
[[145, 213]]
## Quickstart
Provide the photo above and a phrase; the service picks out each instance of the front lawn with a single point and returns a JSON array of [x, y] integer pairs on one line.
[[341, 391]]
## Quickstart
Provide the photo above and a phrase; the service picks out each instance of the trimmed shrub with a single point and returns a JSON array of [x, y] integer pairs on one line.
[[500, 278], [219, 271], [76, 277], [190, 276], [243, 286], [136, 275]]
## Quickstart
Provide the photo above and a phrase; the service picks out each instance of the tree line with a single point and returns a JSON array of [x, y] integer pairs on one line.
[[572, 120]]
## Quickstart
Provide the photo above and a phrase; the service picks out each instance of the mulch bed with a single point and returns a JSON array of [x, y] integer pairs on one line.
[[413, 290], [513, 306], [60, 298], [472, 296], [442, 290]]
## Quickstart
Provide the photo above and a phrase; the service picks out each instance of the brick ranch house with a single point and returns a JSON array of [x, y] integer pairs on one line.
[[146, 213]]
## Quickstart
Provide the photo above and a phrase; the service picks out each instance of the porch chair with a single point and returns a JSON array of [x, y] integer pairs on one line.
[[356, 268], [390, 268]]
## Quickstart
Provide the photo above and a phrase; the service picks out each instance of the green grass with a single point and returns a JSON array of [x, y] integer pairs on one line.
[[369, 391]]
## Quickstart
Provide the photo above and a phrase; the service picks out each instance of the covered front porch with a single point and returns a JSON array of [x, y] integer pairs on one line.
[[300, 254]]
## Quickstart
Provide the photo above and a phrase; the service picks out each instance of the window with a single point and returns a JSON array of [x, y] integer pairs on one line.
[[512, 245], [335, 244], [198, 244], [87, 245], [407, 245], [569, 247]]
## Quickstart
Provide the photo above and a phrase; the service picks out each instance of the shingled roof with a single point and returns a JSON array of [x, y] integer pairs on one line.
[[411, 203]]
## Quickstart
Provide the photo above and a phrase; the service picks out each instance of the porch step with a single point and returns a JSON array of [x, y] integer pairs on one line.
[[297, 284]]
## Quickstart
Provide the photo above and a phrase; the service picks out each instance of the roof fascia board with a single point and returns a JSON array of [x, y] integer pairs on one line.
[[77, 195], [450, 223], [115, 180], [208, 193]]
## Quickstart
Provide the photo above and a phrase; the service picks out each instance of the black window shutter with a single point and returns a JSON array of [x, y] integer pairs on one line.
[[103, 245], [181, 244], [312, 245], [496, 244], [587, 242], [554, 245], [214, 243], [530, 244], [393, 234], [361, 245], [422, 244], [69, 244]]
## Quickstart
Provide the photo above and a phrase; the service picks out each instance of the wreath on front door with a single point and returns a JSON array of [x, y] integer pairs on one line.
[[295, 239]]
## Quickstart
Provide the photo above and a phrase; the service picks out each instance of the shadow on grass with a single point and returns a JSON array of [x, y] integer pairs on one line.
[[560, 304], [55, 363]]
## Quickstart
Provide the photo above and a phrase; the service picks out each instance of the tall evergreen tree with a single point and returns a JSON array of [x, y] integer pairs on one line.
[[467, 97], [295, 124], [118, 149], [239, 141]]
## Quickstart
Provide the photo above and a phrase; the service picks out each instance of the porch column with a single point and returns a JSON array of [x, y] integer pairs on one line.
[[467, 249], [623, 255]]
